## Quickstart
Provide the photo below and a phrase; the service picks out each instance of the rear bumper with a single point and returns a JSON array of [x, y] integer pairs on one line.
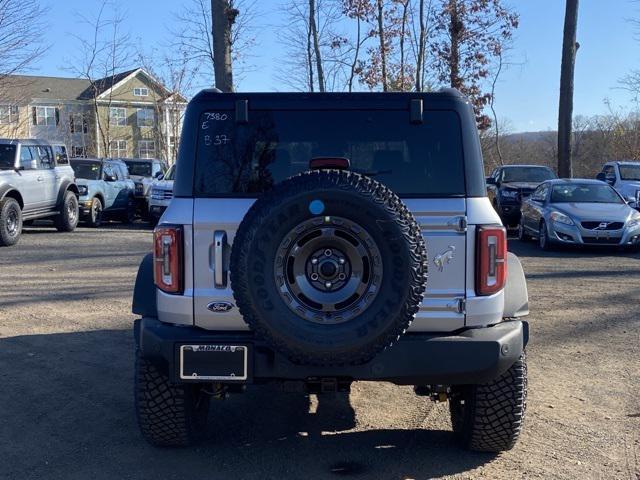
[[472, 356]]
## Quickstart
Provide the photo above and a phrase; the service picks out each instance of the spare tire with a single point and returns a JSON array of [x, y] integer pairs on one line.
[[329, 267]]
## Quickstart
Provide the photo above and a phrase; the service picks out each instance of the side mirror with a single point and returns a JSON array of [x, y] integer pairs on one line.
[[109, 178], [491, 181], [158, 175], [601, 176]]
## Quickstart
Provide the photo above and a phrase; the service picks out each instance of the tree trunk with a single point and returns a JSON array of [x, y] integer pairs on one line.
[[316, 44], [310, 56], [565, 110], [454, 32], [383, 49], [405, 6], [223, 16], [421, 47], [354, 64]]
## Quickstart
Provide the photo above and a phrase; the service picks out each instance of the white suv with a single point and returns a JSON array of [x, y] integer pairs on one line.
[[295, 251], [36, 181]]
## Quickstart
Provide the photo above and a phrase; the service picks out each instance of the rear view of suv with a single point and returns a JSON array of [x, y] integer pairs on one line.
[[316, 240]]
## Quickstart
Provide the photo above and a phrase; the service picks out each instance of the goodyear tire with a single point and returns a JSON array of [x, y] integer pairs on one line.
[[168, 415], [329, 267], [489, 417]]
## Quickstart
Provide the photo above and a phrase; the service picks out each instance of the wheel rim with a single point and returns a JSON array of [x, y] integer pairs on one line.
[[96, 210], [13, 222], [328, 270], [72, 211]]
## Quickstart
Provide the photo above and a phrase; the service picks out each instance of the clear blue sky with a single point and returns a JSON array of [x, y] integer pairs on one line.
[[526, 94]]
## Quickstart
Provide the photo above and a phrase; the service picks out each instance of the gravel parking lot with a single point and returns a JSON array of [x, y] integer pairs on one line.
[[66, 369]]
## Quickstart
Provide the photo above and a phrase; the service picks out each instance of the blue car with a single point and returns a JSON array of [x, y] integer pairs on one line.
[[105, 190]]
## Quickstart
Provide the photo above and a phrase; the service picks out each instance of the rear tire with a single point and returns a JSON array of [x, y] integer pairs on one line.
[[168, 415], [67, 219], [10, 222], [129, 215], [489, 417]]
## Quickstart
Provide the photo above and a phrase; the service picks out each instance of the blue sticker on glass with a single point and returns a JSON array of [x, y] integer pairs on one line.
[[316, 207]]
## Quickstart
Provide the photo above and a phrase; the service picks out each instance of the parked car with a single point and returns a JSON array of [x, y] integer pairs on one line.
[[579, 212], [508, 185], [32, 186], [624, 177], [287, 256], [143, 171], [105, 190], [161, 194]]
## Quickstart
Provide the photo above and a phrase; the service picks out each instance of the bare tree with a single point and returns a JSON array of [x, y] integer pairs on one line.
[[193, 39], [104, 52], [316, 44], [420, 45], [469, 36], [19, 47], [223, 16], [565, 109], [383, 45]]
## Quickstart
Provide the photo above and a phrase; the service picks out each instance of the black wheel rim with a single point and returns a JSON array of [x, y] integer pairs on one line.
[[13, 222], [328, 270]]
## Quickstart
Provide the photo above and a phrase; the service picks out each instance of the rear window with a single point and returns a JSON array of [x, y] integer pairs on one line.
[[418, 160], [7, 156], [142, 169], [527, 174], [86, 170]]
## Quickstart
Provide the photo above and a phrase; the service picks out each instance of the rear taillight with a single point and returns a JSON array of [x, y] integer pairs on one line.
[[168, 269], [491, 260]]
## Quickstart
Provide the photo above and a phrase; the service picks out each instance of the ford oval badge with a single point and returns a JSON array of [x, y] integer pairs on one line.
[[220, 307]]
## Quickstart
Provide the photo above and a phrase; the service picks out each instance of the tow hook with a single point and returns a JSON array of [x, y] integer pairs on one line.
[[437, 393]]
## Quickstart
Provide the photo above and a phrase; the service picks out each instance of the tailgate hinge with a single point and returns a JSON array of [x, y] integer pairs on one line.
[[459, 223], [462, 305]]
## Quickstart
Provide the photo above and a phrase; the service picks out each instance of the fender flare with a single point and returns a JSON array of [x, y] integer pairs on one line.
[[516, 297], [5, 189], [66, 185], [144, 292]]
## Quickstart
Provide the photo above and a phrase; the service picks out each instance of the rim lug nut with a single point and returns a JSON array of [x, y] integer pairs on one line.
[[314, 260], [314, 276], [328, 284], [342, 276], [328, 252], [341, 261]]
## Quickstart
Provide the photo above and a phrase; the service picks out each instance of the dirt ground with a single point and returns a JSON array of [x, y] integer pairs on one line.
[[66, 370]]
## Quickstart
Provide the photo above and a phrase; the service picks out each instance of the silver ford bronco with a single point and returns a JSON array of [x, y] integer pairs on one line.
[[319, 239], [36, 181]]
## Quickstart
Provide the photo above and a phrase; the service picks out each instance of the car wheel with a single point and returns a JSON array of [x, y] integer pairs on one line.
[[329, 267], [543, 237], [67, 219], [522, 234], [489, 417], [10, 222], [169, 415], [129, 215], [94, 218]]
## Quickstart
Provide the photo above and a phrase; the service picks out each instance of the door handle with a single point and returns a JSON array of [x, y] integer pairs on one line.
[[219, 247]]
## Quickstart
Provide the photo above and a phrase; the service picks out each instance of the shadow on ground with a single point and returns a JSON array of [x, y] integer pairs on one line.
[[68, 413]]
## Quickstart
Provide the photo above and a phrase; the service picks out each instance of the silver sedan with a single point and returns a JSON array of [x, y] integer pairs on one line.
[[579, 212]]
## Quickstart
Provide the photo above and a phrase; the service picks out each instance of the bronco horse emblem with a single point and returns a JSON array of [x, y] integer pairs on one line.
[[444, 258]]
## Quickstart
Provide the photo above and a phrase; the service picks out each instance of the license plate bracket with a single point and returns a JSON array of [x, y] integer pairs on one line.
[[214, 362]]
